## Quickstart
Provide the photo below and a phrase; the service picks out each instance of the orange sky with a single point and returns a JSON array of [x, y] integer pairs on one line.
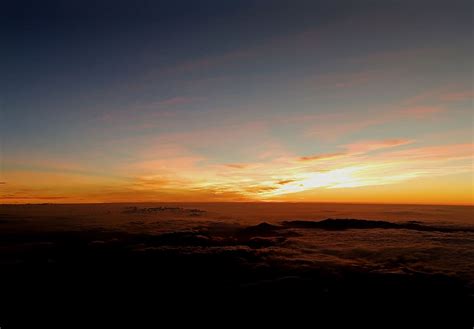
[[370, 172]]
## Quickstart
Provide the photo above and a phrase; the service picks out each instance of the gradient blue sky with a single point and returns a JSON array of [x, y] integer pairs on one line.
[[366, 101]]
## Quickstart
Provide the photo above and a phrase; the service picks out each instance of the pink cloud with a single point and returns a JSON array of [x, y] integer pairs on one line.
[[420, 112], [457, 96], [371, 145], [237, 165], [446, 94], [335, 127], [323, 156], [162, 150], [31, 197], [439, 152], [285, 181], [332, 130], [218, 135], [358, 148], [169, 164]]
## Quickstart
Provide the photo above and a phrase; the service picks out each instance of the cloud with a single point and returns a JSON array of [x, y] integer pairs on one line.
[[447, 94], [358, 148], [420, 112], [237, 165], [457, 96], [285, 181], [32, 197], [324, 156], [222, 134], [183, 176], [330, 131], [177, 163], [258, 189], [360, 166], [189, 178], [337, 126], [437, 152], [373, 145], [156, 182], [50, 167]]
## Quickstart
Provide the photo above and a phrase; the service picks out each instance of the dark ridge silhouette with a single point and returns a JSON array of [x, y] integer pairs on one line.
[[262, 229], [344, 224]]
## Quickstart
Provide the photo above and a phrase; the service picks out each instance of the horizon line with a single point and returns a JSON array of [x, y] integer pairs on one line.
[[227, 202]]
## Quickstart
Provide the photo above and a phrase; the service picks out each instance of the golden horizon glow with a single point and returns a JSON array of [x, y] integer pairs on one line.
[[276, 179]]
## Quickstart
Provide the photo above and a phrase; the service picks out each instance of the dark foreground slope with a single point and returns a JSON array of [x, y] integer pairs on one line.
[[215, 274]]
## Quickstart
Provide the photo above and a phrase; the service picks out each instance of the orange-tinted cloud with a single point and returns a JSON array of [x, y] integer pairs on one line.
[[373, 145], [420, 112], [438, 152], [285, 181], [17, 197], [457, 96], [445, 95], [333, 128], [190, 179], [330, 131], [357, 148], [318, 157], [237, 165]]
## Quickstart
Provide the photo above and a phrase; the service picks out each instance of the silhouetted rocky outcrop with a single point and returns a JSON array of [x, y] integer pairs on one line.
[[344, 224]]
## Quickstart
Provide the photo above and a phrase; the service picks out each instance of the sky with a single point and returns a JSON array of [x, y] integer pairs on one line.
[[302, 101]]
